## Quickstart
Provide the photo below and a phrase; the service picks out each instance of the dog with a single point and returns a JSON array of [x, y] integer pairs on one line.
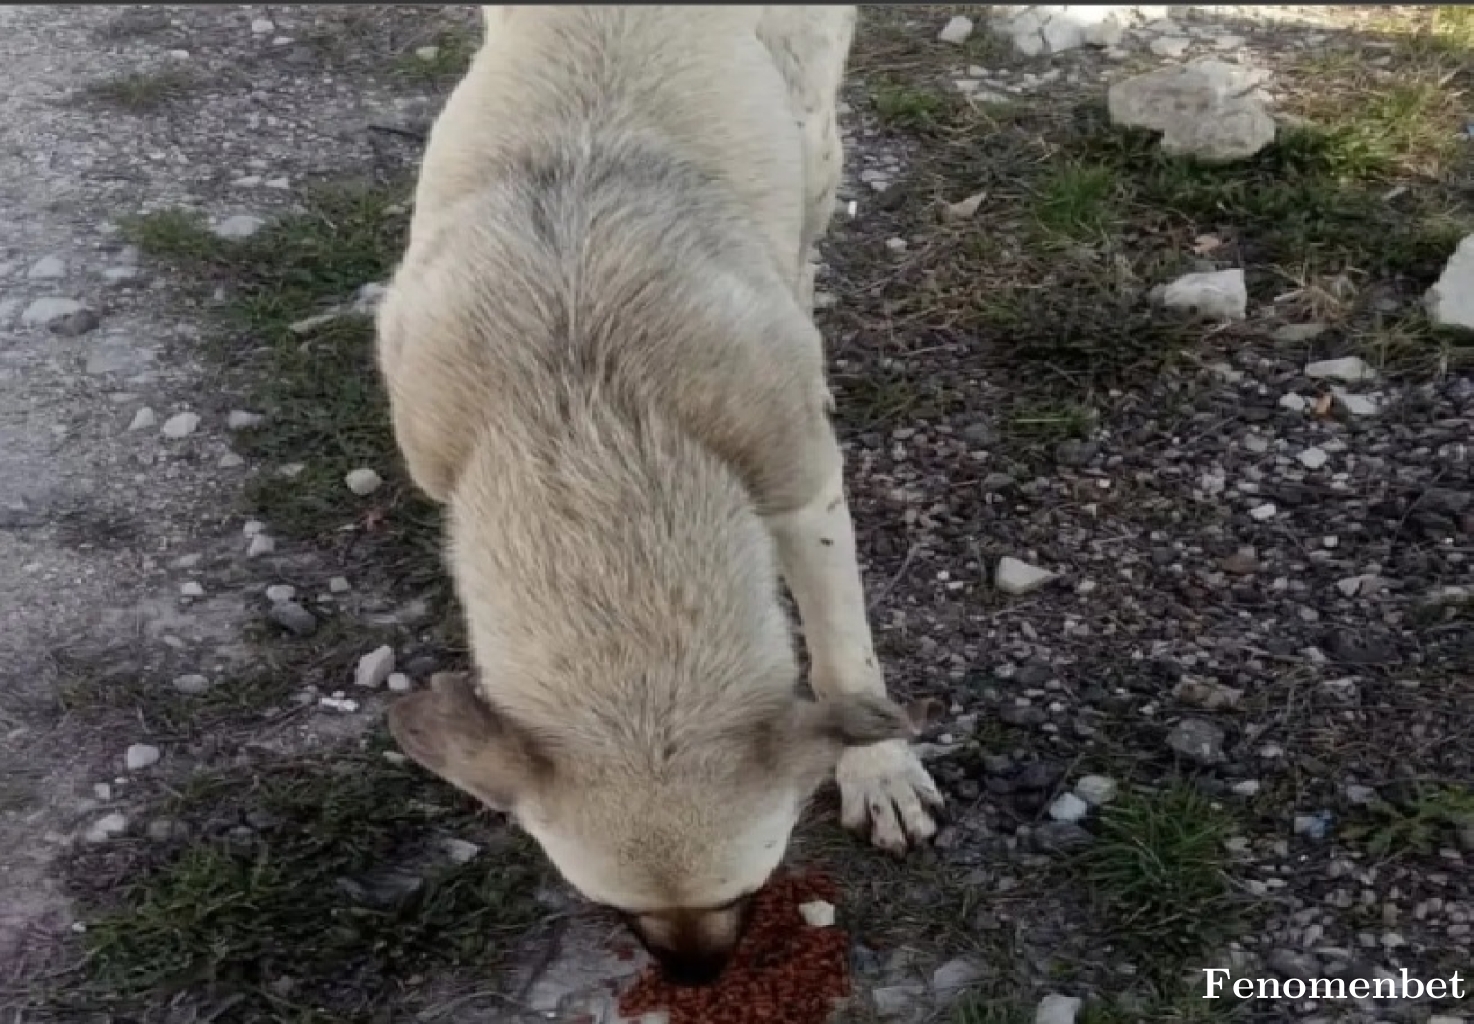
[[601, 360]]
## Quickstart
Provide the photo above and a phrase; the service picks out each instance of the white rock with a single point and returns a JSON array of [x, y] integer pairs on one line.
[[191, 684], [1096, 789], [459, 850], [102, 791], [143, 419], [1294, 402], [1450, 301], [47, 268], [1249, 787], [1349, 370], [1356, 405], [1016, 577], [191, 589], [47, 311], [251, 527], [400, 683], [109, 826], [240, 419], [1036, 29], [1349, 586], [374, 668], [1263, 512], [956, 31], [338, 703], [230, 460], [261, 544], [239, 227], [1313, 458], [1215, 294], [279, 592], [363, 481], [180, 425], [1204, 109], [427, 53], [1068, 807], [955, 975], [1170, 46], [262, 27], [339, 585], [1057, 1009], [140, 756], [121, 275], [964, 208], [817, 914]]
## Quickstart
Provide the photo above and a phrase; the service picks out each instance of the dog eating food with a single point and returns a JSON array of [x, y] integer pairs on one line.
[[783, 972]]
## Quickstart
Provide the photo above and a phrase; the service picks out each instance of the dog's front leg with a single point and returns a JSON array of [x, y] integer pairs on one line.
[[883, 784]]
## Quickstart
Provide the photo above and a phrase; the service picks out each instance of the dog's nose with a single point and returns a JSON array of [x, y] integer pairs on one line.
[[691, 970]]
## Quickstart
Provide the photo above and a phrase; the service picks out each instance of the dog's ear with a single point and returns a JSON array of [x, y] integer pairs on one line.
[[453, 732], [855, 720]]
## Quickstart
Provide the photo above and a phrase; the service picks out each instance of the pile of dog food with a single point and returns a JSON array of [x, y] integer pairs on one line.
[[783, 972]]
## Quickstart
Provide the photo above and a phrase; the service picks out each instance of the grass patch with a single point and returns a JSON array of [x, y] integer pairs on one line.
[[1158, 873], [140, 92], [318, 381], [1424, 818], [899, 105], [311, 891], [1078, 202], [440, 62]]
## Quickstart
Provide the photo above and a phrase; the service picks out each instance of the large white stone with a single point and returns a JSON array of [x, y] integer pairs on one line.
[[1036, 29], [1057, 1009], [1450, 301], [1205, 109], [1016, 577], [1214, 294]]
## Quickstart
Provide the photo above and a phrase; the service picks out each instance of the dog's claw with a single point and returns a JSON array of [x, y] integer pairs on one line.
[[886, 787]]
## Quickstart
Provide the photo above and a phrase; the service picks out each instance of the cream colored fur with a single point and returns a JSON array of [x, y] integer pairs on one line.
[[600, 357]]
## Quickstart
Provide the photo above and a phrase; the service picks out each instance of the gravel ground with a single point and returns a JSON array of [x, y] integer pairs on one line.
[[1192, 637]]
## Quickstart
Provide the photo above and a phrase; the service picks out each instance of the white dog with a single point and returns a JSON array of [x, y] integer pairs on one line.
[[601, 359]]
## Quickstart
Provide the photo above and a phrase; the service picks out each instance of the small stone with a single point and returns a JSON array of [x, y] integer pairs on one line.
[[1294, 402], [238, 228], [191, 589], [261, 544], [230, 460], [47, 268], [1069, 808], [896, 244], [817, 914], [1356, 405], [1263, 513], [1240, 563], [162, 830], [963, 209], [339, 585], [109, 826], [1349, 586], [1017, 578], [338, 704], [400, 683], [427, 53], [374, 668], [240, 419], [49, 310], [363, 482], [1170, 46], [1214, 295], [1349, 370], [279, 592], [262, 27], [1057, 1009], [1207, 694], [1096, 790], [1060, 837], [459, 850], [956, 31], [1197, 740], [955, 975], [75, 324], [1450, 302], [895, 1002], [1360, 795], [251, 527], [1289, 964], [143, 419], [121, 275], [180, 425], [1297, 334], [140, 756], [102, 791], [1248, 787], [292, 617], [191, 685], [1313, 458]]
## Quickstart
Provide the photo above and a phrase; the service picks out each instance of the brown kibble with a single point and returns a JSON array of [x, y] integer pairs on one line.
[[783, 972]]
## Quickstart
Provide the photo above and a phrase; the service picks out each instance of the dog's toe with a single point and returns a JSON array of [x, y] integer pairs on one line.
[[886, 787]]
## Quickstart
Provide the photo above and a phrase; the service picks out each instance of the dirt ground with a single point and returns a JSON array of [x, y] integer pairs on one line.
[[1231, 729]]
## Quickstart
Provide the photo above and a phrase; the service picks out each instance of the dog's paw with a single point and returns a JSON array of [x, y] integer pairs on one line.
[[885, 785]]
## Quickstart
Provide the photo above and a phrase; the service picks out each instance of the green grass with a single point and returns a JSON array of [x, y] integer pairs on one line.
[[988, 1010], [910, 107], [1426, 817], [1078, 202], [452, 53], [321, 387], [296, 916], [1158, 873], [140, 92]]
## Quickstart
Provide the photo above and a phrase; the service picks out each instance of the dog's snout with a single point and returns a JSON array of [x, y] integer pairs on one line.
[[691, 970]]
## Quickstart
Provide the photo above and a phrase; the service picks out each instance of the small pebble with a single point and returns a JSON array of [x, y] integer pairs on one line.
[[818, 914], [363, 481], [180, 425], [339, 585], [143, 419], [400, 683], [191, 589], [109, 826], [278, 592], [261, 544], [374, 668], [140, 756], [191, 684]]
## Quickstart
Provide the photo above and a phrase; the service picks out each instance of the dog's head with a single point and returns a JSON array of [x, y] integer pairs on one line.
[[675, 840]]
